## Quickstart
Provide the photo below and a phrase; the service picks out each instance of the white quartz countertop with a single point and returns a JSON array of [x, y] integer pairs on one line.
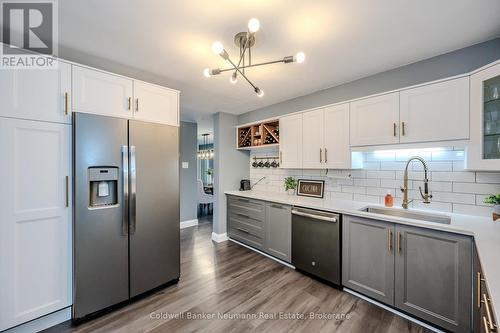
[[486, 233]]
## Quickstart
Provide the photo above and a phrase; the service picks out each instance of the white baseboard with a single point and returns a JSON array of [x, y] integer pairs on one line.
[[432, 328], [218, 238], [189, 223], [42, 323], [263, 253]]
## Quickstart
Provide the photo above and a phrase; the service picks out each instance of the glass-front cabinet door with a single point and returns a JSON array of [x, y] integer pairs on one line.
[[483, 152]]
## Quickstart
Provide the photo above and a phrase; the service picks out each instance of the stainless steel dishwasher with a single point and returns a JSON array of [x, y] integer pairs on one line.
[[316, 243]]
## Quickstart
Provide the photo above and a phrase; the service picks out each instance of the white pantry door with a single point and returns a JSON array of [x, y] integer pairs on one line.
[[35, 220], [37, 94]]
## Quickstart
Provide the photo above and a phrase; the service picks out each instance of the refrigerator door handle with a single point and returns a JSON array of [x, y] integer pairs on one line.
[[132, 191], [125, 190]]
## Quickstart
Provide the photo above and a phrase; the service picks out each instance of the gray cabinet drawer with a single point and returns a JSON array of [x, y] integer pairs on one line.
[[245, 236], [256, 229], [251, 208]]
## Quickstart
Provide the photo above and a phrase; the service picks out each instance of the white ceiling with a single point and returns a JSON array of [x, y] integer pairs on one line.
[[343, 41]]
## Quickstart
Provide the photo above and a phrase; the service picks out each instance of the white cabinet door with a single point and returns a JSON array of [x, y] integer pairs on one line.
[[374, 120], [35, 220], [337, 149], [156, 104], [101, 93], [291, 142], [435, 112], [483, 150], [312, 139], [37, 94]]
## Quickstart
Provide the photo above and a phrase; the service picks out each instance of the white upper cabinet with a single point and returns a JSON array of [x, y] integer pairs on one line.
[[35, 219], [156, 104], [313, 139], [101, 93], [435, 112], [37, 94], [374, 120], [483, 151], [291, 141], [337, 153]]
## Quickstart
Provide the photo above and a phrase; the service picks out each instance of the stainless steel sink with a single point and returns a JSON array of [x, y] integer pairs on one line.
[[408, 214]]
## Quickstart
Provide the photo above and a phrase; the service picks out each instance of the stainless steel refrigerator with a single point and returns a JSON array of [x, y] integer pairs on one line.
[[126, 210]]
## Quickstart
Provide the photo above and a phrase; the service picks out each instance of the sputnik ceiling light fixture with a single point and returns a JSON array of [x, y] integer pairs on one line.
[[245, 41]]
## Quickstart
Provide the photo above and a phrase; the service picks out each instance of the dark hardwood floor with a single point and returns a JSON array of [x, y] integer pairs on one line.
[[229, 279]]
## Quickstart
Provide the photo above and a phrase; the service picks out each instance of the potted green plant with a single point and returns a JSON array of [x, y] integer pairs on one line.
[[494, 199], [290, 185]]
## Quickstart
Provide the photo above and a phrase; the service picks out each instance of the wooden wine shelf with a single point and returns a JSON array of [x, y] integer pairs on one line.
[[259, 135]]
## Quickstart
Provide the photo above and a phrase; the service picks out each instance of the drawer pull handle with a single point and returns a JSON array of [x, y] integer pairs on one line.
[[66, 103], [243, 215], [491, 325], [485, 324], [243, 230], [277, 206], [399, 242], [389, 240]]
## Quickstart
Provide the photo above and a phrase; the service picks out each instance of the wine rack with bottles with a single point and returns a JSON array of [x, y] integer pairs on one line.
[[258, 135]]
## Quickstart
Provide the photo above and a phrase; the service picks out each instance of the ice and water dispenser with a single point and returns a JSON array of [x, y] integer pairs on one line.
[[103, 186]]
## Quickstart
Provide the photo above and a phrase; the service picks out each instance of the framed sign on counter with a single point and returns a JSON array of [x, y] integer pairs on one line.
[[311, 188]]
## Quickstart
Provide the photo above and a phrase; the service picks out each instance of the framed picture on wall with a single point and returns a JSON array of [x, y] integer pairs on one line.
[[311, 188]]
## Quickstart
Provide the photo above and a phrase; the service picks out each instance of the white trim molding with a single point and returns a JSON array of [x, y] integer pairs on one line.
[[189, 223], [219, 238]]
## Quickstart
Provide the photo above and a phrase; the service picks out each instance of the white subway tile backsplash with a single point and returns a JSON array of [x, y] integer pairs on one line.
[[476, 188], [460, 176], [367, 198], [367, 182], [354, 189], [488, 177], [472, 210], [381, 174], [341, 195], [454, 189]]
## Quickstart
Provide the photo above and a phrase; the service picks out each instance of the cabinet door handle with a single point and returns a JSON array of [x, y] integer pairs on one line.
[[403, 132], [399, 242], [479, 279], [395, 128], [326, 155], [491, 325], [243, 230], [129, 103], [281, 157], [320, 155], [389, 240], [67, 191], [485, 325], [137, 105], [277, 206], [66, 103]]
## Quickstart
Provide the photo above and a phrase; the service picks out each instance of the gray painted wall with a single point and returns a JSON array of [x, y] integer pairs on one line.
[[230, 166], [188, 150], [439, 67]]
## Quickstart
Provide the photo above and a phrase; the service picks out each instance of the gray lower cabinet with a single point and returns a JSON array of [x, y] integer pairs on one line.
[[423, 272], [246, 221], [433, 276], [278, 239], [262, 225], [368, 257]]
